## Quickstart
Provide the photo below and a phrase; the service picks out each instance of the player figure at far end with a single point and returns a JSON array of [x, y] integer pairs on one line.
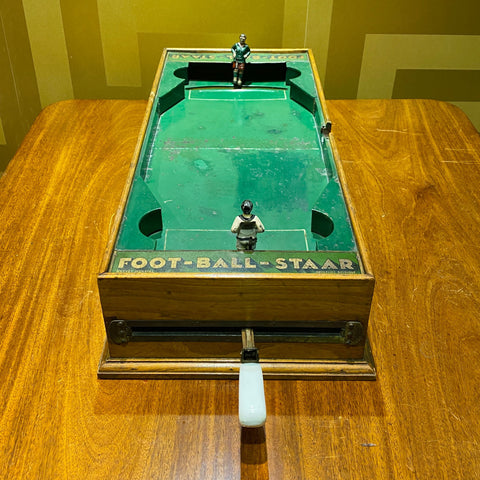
[[246, 226], [240, 53]]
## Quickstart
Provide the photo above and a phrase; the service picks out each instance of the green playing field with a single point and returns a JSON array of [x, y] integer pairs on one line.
[[216, 146]]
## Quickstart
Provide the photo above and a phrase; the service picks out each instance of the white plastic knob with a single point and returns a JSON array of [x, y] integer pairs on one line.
[[252, 411]]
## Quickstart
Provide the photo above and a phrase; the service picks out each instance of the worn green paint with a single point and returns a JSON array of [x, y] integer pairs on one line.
[[208, 147]]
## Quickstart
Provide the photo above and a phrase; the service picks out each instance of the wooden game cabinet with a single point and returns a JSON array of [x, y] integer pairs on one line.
[[188, 324]]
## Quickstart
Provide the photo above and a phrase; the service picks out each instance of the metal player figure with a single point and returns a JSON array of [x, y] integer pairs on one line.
[[246, 226], [240, 53]]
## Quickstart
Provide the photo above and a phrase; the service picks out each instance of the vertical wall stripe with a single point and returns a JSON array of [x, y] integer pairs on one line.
[[118, 31], [3, 140], [305, 37], [295, 13], [49, 51], [307, 24], [318, 28]]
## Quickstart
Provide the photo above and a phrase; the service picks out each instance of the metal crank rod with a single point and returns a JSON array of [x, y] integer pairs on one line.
[[252, 411]]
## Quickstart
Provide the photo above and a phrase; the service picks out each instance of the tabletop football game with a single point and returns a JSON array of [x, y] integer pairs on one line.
[[193, 281]]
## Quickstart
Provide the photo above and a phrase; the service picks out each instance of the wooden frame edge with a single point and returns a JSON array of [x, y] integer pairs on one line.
[[158, 368], [338, 164], [360, 277], [133, 165]]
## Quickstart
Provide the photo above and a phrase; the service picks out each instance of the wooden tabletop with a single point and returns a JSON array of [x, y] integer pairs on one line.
[[413, 172]]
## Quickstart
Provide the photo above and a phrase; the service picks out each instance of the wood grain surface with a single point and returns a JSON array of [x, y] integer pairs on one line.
[[413, 172]]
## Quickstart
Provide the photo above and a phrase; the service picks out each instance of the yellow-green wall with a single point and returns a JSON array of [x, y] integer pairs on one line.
[[52, 50]]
